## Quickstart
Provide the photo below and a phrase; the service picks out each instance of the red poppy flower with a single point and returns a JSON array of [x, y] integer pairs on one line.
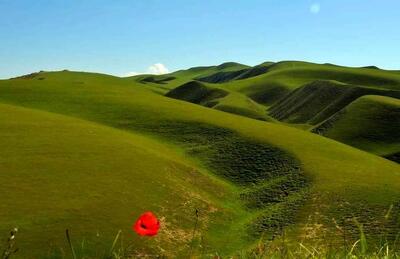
[[147, 224]]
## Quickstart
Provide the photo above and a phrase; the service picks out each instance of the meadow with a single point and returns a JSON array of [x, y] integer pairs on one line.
[[289, 153]]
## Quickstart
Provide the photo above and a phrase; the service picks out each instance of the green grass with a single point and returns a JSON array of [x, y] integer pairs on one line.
[[199, 93], [189, 156], [370, 123], [268, 83], [68, 173], [278, 248], [304, 95], [184, 76], [220, 99], [282, 77], [319, 100]]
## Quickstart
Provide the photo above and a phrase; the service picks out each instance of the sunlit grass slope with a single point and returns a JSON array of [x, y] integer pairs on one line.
[[60, 172], [274, 176], [371, 123]]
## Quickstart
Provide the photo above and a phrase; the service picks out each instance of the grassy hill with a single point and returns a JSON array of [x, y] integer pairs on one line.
[[370, 123], [225, 76], [112, 139], [319, 100], [299, 94], [270, 82], [163, 83], [70, 173], [220, 99], [282, 77]]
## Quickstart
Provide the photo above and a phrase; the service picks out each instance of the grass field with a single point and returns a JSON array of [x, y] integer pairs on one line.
[[90, 152]]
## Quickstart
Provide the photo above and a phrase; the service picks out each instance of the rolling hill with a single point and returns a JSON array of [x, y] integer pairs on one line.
[[369, 123], [164, 83], [87, 148], [319, 100], [298, 94], [283, 77], [60, 172], [220, 99]]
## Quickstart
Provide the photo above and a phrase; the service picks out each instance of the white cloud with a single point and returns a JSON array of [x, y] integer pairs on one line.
[[156, 69], [131, 74], [315, 8]]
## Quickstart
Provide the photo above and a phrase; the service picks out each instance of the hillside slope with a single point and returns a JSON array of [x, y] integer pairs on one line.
[[163, 83], [319, 100], [69, 173], [226, 76], [268, 82], [370, 123], [275, 176], [282, 77], [220, 99]]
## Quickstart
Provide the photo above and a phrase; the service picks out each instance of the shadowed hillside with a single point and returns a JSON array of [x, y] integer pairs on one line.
[[222, 77], [198, 93], [163, 83], [220, 99], [319, 100], [370, 123], [283, 77]]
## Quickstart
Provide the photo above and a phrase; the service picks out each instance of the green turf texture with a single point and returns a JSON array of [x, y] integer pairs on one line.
[[110, 140], [59, 172]]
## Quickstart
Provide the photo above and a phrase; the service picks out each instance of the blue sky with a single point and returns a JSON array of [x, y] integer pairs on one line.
[[130, 36]]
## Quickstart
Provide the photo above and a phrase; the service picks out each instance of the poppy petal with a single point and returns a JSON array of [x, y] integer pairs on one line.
[[147, 224]]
